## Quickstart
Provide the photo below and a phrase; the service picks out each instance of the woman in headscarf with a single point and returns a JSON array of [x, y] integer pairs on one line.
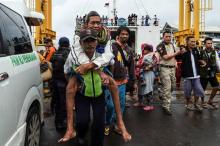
[[146, 79]]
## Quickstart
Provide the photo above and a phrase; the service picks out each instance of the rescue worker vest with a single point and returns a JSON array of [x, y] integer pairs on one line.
[[90, 83], [211, 67]]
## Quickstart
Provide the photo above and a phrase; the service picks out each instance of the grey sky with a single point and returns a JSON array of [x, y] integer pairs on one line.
[[65, 12]]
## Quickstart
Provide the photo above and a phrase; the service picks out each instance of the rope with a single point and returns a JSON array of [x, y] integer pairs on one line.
[[144, 7]]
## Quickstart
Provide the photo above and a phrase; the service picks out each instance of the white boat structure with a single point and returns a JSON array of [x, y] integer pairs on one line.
[[143, 29], [139, 35]]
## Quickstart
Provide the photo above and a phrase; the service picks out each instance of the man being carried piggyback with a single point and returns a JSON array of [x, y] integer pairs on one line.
[[85, 65]]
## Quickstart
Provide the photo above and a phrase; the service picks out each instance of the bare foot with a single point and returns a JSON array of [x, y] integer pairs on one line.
[[124, 133], [126, 136], [138, 104], [68, 135]]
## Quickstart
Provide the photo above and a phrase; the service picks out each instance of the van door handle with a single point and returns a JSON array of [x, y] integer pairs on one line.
[[3, 76]]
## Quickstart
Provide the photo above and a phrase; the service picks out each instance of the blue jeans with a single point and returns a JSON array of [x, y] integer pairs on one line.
[[110, 114]]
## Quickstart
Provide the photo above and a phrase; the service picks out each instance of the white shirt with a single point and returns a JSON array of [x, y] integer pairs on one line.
[[78, 59], [101, 61], [194, 68]]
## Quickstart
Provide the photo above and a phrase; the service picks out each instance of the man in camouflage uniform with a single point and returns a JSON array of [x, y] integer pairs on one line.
[[167, 70]]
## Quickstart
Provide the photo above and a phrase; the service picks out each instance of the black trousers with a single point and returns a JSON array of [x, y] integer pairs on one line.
[[59, 99], [212, 80], [83, 105]]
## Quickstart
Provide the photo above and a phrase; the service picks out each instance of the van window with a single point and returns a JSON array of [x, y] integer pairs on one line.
[[2, 52], [1, 47], [14, 33]]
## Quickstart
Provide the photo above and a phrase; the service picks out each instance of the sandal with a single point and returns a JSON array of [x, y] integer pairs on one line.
[[138, 104], [189, 107], [211, 105], [198, 108], [117, 130], [152, 107], [204, 105], [147, 108], [107, 131]]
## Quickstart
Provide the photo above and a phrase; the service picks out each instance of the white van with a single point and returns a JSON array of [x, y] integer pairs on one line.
[[21, 88]]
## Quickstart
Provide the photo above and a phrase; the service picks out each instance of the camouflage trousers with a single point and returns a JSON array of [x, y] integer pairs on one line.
[[168, 83]]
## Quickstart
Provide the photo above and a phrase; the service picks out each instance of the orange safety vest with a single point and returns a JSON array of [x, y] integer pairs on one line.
[[48, 54]]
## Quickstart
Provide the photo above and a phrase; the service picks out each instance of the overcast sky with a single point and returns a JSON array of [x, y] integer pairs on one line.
[[65, 12]]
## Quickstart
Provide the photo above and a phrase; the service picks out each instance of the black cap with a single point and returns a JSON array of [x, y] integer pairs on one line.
[[64, 41], [88, 33]]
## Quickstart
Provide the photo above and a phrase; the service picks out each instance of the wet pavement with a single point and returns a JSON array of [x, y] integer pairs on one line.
[[183, 128]]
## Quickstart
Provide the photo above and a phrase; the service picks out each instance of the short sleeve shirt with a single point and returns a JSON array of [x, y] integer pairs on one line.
[[169, 49]]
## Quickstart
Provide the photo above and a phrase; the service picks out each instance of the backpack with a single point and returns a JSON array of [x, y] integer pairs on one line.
[[58, 61]]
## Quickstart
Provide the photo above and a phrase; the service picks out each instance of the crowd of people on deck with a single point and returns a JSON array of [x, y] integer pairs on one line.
[[132, 20], [94, 74]]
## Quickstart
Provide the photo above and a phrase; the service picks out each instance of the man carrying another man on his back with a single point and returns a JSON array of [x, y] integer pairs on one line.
[[90, 93], [92, 22]]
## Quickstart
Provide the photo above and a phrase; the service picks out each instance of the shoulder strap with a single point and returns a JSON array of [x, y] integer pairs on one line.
[[122, 55], [173, 48], [71, 52]]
